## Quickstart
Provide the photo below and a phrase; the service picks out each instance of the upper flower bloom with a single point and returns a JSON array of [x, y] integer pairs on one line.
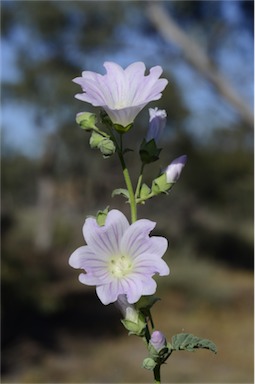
[[120, 258], [157, 124], [123, 93]]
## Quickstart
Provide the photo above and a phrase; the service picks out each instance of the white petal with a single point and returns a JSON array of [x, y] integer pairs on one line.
[[105, 294], [135, 239], [88, 279], [132, 287], [124, 116], [79, 256], [105, 240], [149, 286], [149, 264], [85, 258]]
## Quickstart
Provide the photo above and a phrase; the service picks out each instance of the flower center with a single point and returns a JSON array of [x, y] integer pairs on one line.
[[120, 266]]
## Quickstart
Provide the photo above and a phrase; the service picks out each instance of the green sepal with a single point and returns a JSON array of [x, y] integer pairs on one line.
[[137, 328], [189, 342], [86, 121], [101, 216], [120, 129], [145, 303], [149, 363], [144, 191], [149, 152], [121, 191], [160, 356], [160, 185]]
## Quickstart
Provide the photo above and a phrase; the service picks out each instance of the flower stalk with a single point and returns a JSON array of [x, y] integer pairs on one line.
[[119, 258]]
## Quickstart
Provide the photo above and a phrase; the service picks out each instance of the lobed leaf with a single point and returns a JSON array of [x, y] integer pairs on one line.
[[189, 342]]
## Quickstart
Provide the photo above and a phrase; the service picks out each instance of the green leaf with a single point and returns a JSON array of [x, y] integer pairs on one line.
[[189, 342], [121, 191]]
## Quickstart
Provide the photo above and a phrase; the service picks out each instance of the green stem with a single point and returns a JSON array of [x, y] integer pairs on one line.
[[156, 372], [151, 320], [140, 200], [138, 188], [129, 185]]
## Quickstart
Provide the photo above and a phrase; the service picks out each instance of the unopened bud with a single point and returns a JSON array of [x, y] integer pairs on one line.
[[107, 147], [174, 170], [133, 320], [157, 124], [86, 120], [158, 340]]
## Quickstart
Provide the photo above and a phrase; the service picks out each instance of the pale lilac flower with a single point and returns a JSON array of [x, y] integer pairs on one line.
[[157, 124], [158, 340], [120, 258], [122, 93], [174, 170]]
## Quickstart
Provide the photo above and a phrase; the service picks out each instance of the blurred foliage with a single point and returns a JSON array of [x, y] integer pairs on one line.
[[208, 216]]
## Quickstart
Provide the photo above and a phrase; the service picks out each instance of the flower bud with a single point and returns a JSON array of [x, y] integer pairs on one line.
[[157, 124], [128, 310], [174, 170], [86, 120], [107, 147], [158, 340], [133, 320], [104, 144]]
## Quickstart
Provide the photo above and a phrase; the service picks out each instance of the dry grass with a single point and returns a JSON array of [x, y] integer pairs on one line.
[[117, 359]]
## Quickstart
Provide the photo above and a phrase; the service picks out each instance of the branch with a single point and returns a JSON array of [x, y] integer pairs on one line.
[[198, 59]]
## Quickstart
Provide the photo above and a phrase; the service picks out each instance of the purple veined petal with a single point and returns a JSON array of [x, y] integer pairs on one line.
[[106, 294], [105, 240], [88, 279], [91, 82], [116, 82], [149, 263], [135, 75], [90, 75], [135, 70], [135, 239], [133, 287], [94, 94], [124, 116], [149, 286], [151, 86], [84, 258], [156, 245], [79, 256]]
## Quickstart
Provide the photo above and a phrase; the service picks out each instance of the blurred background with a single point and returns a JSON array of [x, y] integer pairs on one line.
[[55, 329]]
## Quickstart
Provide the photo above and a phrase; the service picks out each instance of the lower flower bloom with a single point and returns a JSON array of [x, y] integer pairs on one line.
[[119, 258]]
